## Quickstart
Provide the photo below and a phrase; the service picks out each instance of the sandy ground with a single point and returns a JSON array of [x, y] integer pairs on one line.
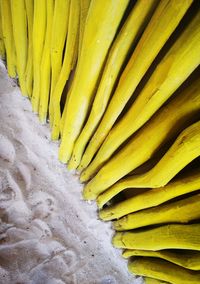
[[48, 234]]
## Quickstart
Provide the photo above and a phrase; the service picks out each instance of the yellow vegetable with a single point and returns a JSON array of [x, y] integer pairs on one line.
[[164, 21], [168, 122], [173, 236], [149, 280], [182, 211], [180, 61], [59, 33], [184, 150], [100, 29], [163, 270], [7, 30], [125, 40], [2, 46], [29, 67], [39, 30], [84, 7], [186, 258], [45, 68], [188, 183], [19, 21], [68, 64]]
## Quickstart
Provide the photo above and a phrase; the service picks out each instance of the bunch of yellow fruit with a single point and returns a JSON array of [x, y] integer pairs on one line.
[[120, 84]]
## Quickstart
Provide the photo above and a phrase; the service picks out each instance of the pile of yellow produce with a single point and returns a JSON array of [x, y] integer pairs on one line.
[[119, 83]]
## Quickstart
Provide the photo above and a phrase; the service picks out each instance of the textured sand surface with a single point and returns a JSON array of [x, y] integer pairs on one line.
[[47, 233]]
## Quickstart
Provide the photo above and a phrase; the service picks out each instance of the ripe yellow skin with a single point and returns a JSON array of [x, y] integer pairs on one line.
[[7, 30], [19, 21], [148, 280], [150, 198], [174, 236], [173, 70], [184, 150], [70, 57], [164, 21], [168, 122], [181, 211], [126, 39], [189, 259], [39, 30], [2, 46], [163, 270], [45, 68], [84, 7], [98, 36], [59, 33], [29, 67]]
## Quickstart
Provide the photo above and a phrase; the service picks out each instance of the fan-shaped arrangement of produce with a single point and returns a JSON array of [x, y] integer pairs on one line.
[[119, 83]]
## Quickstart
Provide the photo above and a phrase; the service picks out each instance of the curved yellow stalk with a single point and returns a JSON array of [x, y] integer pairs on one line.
[[39, 30], [8, 37], [84, 7], [125, 40], [167, 167], [19, 21], [68, 64], [186, 258], [148, 280], [163, 270], [99, 33], [59, 33], [45, 68], [164, 21], [173, 236], [168, 122], [173, 70], [29, 67], [150, 198], [184, 150], [182, 211], [2, 46]]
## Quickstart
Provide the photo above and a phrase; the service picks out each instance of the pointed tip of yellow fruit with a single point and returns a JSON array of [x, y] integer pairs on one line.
[[73, 163], [100, 204], [83, 177], [61, 156], [117, 240], [88, 194], [54, 136]]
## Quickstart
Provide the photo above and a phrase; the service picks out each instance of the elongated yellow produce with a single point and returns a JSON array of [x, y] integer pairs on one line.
[[39, 29], [153, 197], [173, 236], [164, 21], [19, 21], [149, 280], [29, 67], [68, 64], [8, 37], [84, 7], [163, 270], [2, 46], [182, 211], [45, 68], [173, 70], [127, 37], [59, 33], [168, 122], [100, 29], [184, 150], [186, 258]]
